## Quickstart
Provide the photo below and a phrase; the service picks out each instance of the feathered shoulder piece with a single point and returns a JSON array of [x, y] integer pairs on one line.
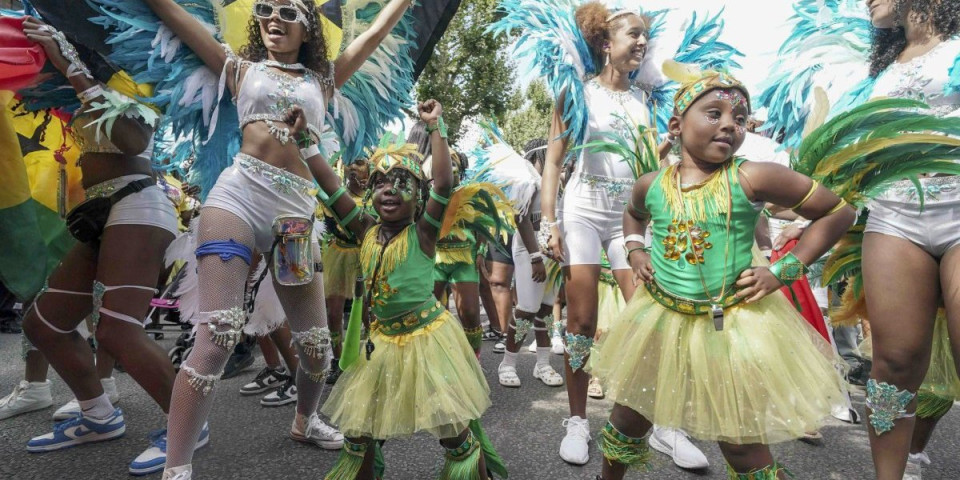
[[184, 88], [858, 154], [496, 162], [549, 45], [828, 47], [377, 93], [482, 208]]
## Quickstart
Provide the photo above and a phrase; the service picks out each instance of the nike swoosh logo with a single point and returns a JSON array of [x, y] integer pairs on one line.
[[78, 432]]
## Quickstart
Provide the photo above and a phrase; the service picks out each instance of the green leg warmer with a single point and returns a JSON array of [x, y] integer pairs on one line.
[[349, 462], [931, 405], [619, 448], [461, 463]]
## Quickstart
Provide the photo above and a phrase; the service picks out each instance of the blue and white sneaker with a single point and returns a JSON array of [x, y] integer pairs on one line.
[[73, 432], [154, 458]]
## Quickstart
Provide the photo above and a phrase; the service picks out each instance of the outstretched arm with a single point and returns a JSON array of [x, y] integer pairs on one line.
[[442, 171], [347, 212], [130, 134], [191, 32], [367, 42]]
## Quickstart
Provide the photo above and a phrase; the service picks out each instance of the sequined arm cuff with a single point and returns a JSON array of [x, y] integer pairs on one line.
[[788, 269]]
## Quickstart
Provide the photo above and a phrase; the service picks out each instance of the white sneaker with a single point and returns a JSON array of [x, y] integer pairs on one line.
[[547, 375], [184, 472], [675, 443], [72, 408], [921, 458], [914, 470], [575, 448], [556, 345], [533, 346], [26, 397], [845, 414], [507, 375], [318, 433], [500, 346]]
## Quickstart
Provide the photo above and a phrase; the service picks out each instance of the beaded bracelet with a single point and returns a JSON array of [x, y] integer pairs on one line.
[[440, 126]]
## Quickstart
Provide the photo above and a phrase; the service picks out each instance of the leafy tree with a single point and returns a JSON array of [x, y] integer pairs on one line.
[[468, 72], [528, 116]]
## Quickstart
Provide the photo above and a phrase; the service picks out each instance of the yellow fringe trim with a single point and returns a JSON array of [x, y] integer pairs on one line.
[[401, 340], [455, 255], [702, 201], [397, 249]]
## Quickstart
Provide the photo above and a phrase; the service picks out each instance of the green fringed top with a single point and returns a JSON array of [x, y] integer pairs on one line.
[[404, 281], [699, 233]]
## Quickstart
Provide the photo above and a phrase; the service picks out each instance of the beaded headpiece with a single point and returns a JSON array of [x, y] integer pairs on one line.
[[393, 153], [696, 86]]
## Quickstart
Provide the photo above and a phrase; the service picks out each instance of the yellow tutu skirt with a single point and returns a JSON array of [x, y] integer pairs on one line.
[[341, 266], [767, 377], [610, 304], [425, 381]]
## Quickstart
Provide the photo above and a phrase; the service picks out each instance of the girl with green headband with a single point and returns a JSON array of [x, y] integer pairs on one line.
[[417, 371], [704, 347]]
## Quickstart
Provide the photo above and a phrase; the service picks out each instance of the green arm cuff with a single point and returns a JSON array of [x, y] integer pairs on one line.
[[432, 221], [437, 198], [788, 269], [351, 216], [336, 196]]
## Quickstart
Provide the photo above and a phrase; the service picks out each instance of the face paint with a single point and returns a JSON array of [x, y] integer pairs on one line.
[[733, 97]]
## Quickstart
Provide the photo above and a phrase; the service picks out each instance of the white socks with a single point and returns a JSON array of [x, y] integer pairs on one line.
[[543, 355], [98, 408], [509, 359]]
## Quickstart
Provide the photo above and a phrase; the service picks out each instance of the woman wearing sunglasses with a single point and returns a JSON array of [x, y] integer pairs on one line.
[[284, 65]]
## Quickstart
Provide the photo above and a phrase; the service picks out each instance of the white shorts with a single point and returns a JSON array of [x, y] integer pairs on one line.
[[258, 193], [591, 219], [935, 228], [530, 295], [149, 206]]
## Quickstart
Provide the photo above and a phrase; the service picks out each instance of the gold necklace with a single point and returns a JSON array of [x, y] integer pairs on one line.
[[716, 307]]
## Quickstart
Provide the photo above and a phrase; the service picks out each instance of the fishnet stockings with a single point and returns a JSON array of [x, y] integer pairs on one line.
[[305, 309], [221, 287]]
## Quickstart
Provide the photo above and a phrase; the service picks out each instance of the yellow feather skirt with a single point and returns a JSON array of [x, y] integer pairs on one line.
[[428, 380], [767, 377]]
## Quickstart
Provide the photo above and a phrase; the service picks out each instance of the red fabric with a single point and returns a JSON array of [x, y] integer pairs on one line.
[[20, 58], [804, 296]]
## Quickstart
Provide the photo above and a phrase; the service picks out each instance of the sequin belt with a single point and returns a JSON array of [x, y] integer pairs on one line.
[[614, 186], [410, 321], [107, 188], [280, 180], [687, 306], [932, 188]]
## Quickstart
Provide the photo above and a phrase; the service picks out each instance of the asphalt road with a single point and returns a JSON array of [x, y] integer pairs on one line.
[[249, 441]]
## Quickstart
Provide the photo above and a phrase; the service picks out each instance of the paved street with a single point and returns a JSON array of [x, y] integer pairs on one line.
[[251, 442]]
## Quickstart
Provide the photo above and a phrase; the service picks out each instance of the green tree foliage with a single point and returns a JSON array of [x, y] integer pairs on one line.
[[528, 116], [468, 72]]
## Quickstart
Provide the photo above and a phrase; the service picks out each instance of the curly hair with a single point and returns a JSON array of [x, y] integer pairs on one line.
[[312, 54], [942, 17], [540, 155], [592, 21]]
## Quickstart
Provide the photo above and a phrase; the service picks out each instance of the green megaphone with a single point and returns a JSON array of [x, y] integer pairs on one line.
[[351, 342]]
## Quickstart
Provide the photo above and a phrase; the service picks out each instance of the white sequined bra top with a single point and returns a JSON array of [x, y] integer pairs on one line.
[[267, 93], [611, 112], [924, 78]]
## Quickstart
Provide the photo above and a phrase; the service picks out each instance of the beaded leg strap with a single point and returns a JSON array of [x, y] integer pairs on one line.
[[521, 328], [461, 462], [577, 348], [314, 343], [887, 404], [200, 382], [226, 326], [771, 472], [474, 337], [634, 452]]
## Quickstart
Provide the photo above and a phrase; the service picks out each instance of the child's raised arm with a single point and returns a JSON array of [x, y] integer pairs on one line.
[[830, 215], [442, 171]]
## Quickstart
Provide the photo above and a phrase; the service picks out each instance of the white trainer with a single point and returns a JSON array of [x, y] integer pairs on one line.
[[72, 408], [675, 443], [547, 375], [533, 346], [556, 345], [183, 472], [507, 375], [921, 458], [914, 469], [26, 397], [575, 448], [318, 433]]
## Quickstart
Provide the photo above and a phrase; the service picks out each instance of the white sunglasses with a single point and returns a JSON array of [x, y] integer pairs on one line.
[[287, 13]]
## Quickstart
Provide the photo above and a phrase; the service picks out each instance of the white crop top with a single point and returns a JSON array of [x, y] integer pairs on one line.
[[923, 78], [266, 93], [611, 112]]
